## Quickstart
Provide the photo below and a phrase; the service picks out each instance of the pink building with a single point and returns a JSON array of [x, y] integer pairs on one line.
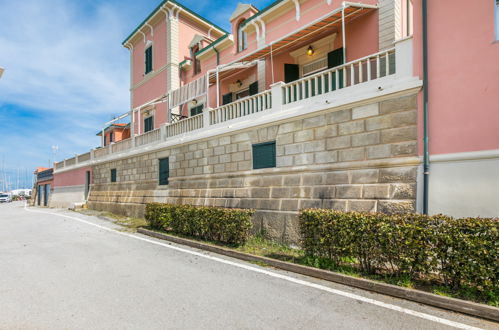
[[311, 103]]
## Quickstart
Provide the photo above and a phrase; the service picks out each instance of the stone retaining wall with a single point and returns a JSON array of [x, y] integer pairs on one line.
[[362, 159]]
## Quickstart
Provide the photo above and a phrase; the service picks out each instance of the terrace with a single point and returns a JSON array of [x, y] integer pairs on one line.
[[378, 74]]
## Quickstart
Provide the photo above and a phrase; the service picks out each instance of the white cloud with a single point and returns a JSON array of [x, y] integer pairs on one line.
[[59, 58]]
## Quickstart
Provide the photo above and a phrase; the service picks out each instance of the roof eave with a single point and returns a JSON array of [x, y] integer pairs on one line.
[[162, 5]]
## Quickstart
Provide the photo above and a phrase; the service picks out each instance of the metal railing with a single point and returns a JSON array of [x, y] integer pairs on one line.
[[362, 70], [241, 108], [185, 125]]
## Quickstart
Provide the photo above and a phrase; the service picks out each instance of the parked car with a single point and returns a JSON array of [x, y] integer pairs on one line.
[[5, 198]]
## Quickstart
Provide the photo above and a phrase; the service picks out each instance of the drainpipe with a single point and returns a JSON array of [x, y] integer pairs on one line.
[[218, 55], [426, 155]]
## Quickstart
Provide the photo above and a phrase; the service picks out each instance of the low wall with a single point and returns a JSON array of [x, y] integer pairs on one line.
[[67, 197], [362, 158], [465, 184]]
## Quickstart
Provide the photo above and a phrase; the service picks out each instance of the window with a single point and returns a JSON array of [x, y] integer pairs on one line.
[[197, 110], [113, 175], [242, 38], [105, 140], [148, 59], [111, 137], [148, 124], [497, 19], [164, 171], [264, 155]]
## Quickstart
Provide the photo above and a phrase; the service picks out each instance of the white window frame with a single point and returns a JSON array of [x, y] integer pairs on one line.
[[242, 38]]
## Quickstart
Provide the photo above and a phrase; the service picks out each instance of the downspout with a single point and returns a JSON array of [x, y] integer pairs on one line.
[[426, 155], [218, 55]]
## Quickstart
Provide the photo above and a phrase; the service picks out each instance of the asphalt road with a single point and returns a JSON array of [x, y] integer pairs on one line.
[[64, 270]]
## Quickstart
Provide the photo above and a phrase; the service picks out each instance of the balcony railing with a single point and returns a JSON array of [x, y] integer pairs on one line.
[[359, 71], [185, 125], [149, 137], [241, 108], [121, 145], [392, 62]]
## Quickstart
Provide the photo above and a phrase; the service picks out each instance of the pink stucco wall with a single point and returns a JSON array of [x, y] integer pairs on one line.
[[74, 177], [463, 75]]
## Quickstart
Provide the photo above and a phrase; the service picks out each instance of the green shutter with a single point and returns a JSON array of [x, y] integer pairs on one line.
[[148, 60], [148, 124], [113, 175], [291, 72], [264, 155], [253, 88], [164, 171], [335, 58], [197, 110], [227, 98]]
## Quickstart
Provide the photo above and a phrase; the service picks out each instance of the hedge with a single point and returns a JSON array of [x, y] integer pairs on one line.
[[231, 226], [458, 252]]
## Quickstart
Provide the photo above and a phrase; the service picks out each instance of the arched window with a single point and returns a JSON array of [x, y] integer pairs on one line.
[[242, 38]]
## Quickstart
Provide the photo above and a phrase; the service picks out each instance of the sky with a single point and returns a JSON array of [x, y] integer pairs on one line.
[[67, 74]]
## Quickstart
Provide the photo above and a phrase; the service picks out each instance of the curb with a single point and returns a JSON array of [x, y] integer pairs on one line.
[[452, 304]]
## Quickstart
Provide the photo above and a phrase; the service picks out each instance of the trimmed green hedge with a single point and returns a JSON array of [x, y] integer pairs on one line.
[[458, 252], [230, 226]]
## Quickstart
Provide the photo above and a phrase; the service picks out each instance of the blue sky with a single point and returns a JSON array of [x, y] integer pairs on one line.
[[66, 72]]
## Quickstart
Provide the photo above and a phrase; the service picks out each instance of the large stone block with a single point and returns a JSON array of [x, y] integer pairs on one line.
[[338, 142], [338, 177], [313, 146], [376, 191], [379, 151], [404, 149], [399, 104], [362, 206], [365, 111], [290, 127], [365, 139], [303, 159], [314, 121], [324, 157], [352, 127], [347, 155], [399, 134], [403, 191], [339, 116], [349, 191], [293, 149], [365, 176], [396, 206], [326, 132], [313, 179], [305, 135]]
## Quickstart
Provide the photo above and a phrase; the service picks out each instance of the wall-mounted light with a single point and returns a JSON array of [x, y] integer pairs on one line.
[[194, 102], [310, 50], [239, 83]]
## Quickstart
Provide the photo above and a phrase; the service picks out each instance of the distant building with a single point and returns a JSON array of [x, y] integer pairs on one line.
[[114, 133], [44, 180]]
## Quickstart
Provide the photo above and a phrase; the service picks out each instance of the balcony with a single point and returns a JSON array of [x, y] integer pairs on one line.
[[355, 81]]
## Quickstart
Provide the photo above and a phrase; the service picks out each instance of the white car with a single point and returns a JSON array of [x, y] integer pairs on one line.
[[5, 198]]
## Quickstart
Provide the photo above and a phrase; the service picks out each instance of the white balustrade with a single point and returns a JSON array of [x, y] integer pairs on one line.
[[185, 125], [149, 137], [242, 107], [121, 145], [356, 72]]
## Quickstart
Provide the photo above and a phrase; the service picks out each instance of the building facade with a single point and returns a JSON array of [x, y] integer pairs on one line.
[[303, 104]]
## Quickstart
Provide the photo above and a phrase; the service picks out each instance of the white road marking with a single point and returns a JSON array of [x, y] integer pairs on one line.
[[276, 275]]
